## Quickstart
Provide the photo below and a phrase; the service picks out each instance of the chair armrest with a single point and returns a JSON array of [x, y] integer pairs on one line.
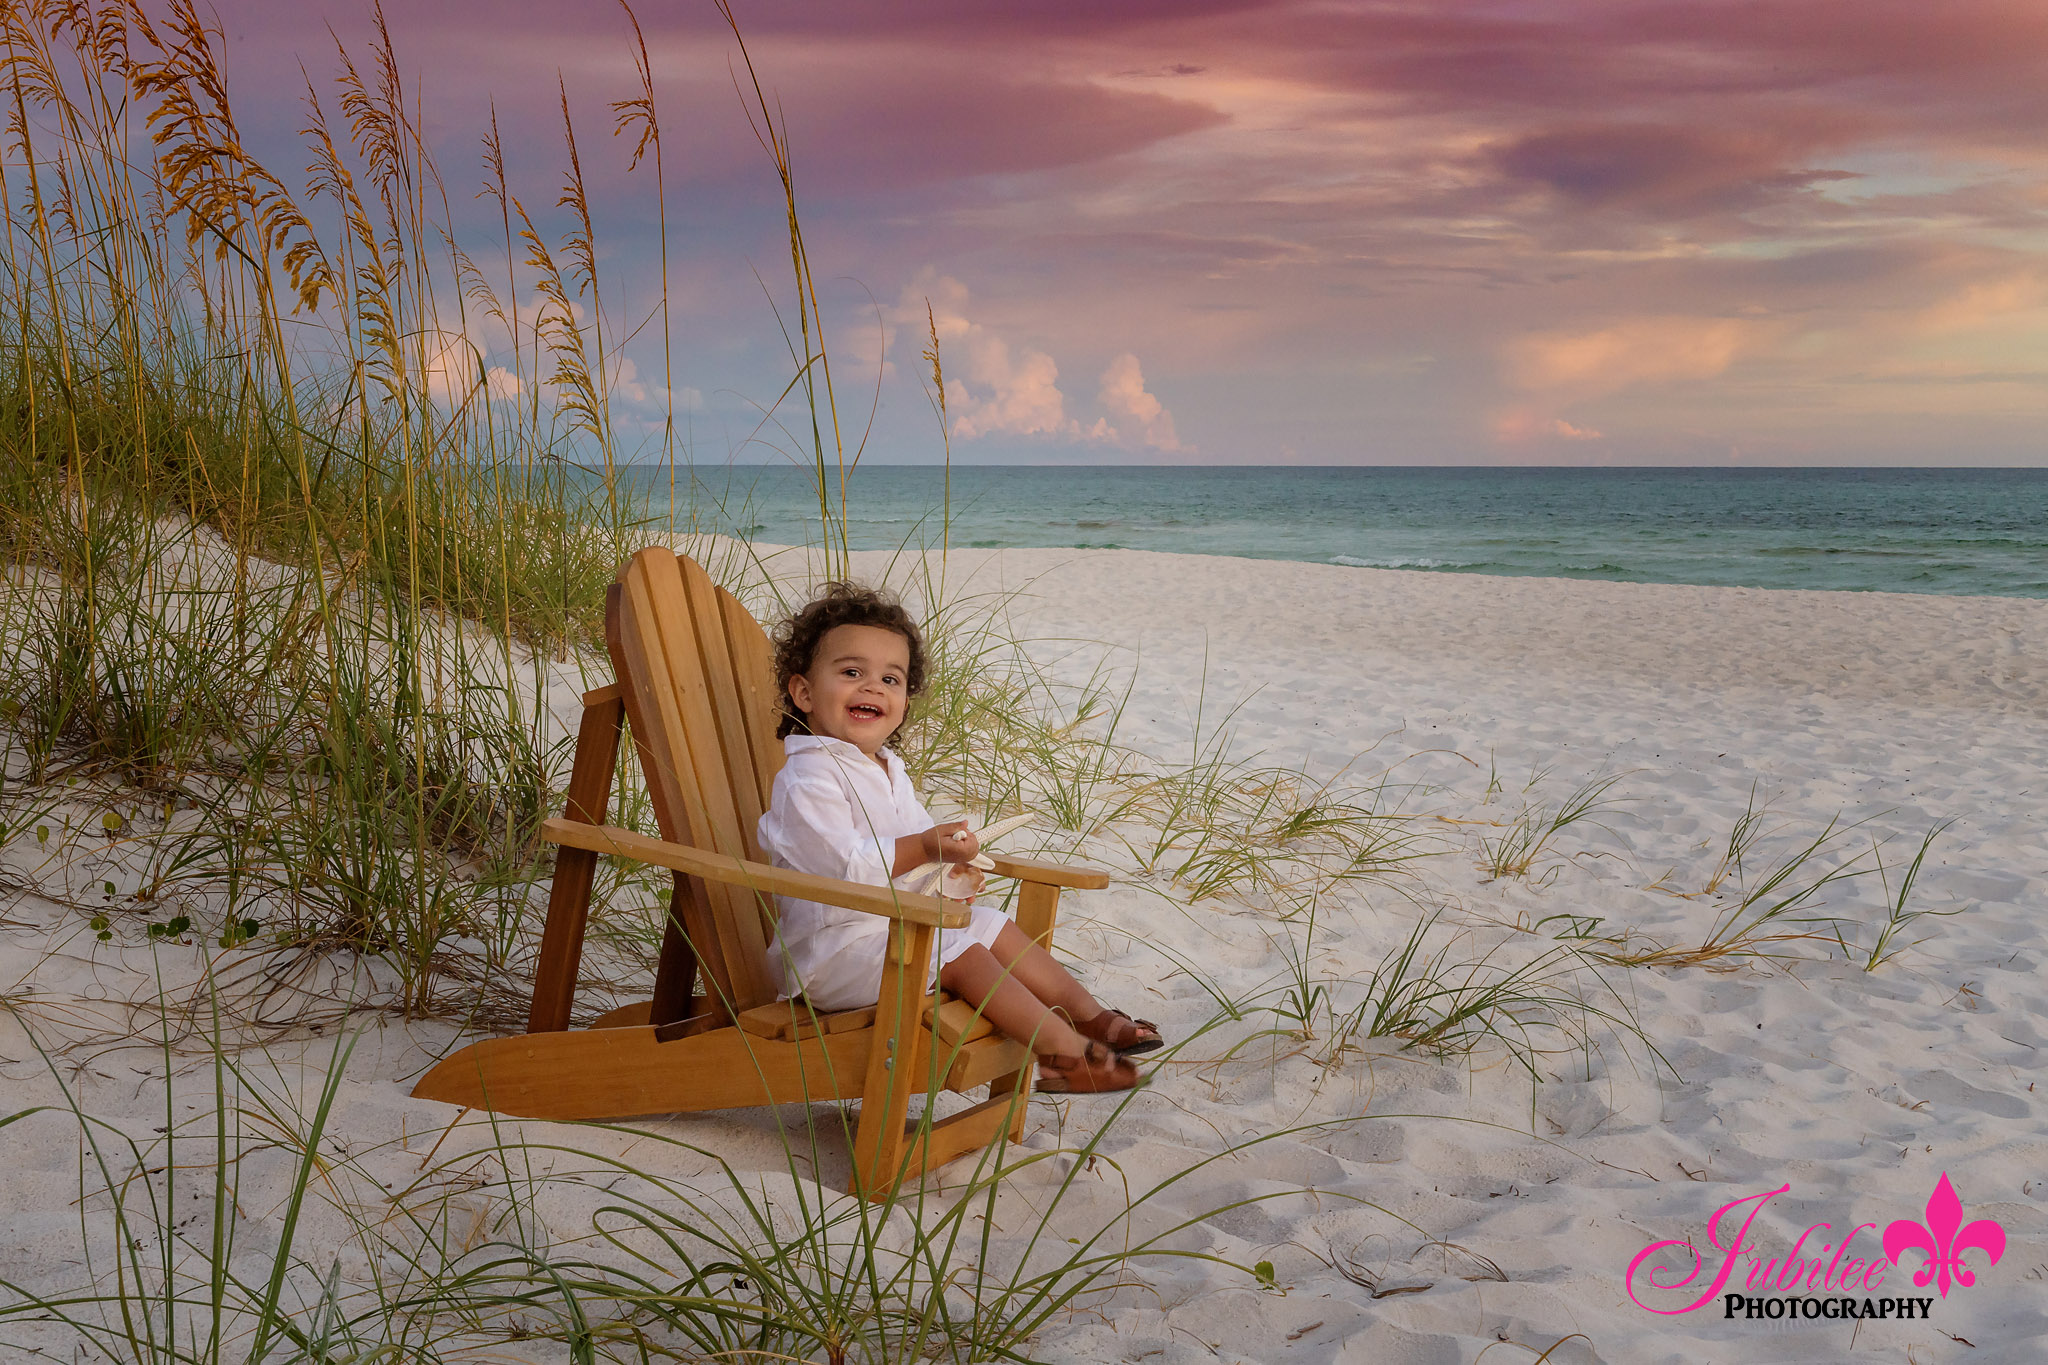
[[761, 877], [1075, 875]]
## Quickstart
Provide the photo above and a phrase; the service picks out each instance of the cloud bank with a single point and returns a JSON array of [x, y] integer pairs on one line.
[[1813, 230]]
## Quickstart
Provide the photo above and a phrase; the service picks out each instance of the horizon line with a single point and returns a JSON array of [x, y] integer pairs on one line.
[[1270, 468]]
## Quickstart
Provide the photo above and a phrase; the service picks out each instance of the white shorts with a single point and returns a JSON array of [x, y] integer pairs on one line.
[[848, 976]]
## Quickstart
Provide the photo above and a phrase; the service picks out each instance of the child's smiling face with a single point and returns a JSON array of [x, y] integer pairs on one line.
[[857, 687]]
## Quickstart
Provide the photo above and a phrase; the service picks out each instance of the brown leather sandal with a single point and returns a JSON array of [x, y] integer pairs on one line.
[[1093, 1072], [1117, 1030]]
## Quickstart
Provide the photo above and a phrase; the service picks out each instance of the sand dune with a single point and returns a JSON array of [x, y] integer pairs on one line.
[[1431, 1211]]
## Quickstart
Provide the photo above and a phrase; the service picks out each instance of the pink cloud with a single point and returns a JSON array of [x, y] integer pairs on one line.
[[1135, 418], [1652, 350], [992, 389]]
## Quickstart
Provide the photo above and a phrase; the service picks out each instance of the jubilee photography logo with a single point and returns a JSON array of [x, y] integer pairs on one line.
[[1824, 1274]]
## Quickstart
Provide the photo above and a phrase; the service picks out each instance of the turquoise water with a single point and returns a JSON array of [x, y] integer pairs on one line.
[[1957, 531]]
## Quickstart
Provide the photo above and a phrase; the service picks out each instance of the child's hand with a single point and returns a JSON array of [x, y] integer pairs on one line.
[[952, 842]]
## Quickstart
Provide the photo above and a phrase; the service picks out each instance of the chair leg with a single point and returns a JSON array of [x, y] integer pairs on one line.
[[1038, 908], [970, 1130], [1004, 1087], [590, 790], [675, 972], [897, 1063]]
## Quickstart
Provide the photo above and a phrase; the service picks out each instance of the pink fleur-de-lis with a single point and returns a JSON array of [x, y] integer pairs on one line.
[[1943, 1244]]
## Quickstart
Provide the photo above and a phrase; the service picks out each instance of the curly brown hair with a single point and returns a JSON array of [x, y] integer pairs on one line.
[[840, 604]]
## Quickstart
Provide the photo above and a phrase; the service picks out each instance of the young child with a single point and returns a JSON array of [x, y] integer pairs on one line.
[[847, 666]]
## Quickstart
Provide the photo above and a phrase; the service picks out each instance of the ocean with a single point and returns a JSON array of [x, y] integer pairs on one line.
[[1954, 531]]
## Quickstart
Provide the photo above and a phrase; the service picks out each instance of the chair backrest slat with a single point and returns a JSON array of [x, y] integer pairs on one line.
[[753, 667], [692, 663], [654, 716], [722, 690]]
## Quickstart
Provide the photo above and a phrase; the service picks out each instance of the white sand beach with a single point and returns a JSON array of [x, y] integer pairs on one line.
[[1415, 1210]]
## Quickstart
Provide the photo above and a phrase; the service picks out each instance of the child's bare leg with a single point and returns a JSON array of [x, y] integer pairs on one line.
[[1055, 985], [1042, 975], [1018, 1012]]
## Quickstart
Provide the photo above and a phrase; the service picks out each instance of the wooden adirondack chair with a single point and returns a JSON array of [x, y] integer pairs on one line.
[[696, 684]]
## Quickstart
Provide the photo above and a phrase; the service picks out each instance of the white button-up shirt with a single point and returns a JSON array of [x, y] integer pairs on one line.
[[838, 813]]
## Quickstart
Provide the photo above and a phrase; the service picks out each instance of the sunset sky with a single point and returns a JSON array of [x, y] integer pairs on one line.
[[1530, 232]]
